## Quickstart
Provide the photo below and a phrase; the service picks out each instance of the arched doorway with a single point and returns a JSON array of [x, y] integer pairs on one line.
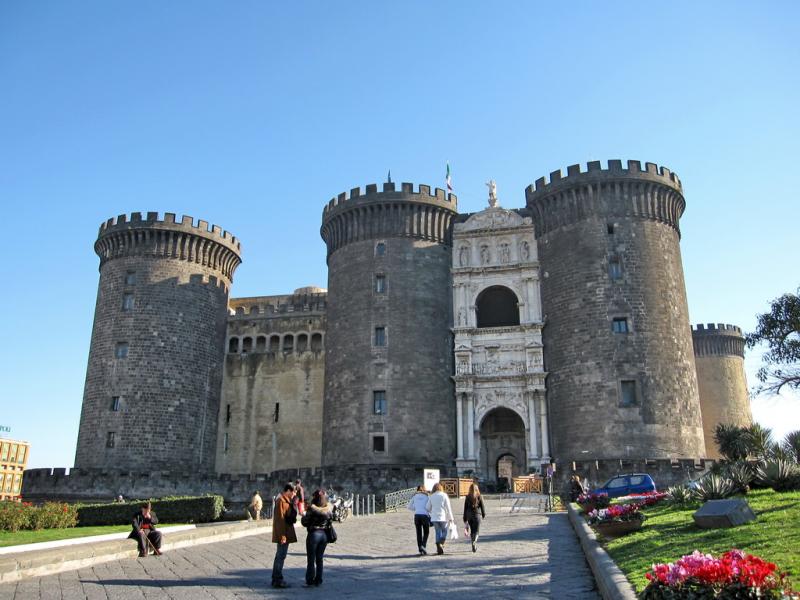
[[502, 451]]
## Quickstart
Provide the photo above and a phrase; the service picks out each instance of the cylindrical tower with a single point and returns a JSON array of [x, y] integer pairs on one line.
[[721, 380], [153, 381], [617, 341], [388, 352]]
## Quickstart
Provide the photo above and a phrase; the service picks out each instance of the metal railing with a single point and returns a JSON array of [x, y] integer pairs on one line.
[[395, 500]]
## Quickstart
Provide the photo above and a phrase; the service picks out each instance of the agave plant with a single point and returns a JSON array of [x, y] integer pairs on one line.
[[713, 487], [741, 474], [759, 441], [780, 475], [680, 494]]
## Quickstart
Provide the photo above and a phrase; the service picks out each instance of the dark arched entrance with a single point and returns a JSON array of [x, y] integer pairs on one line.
[[502, 445], [497, 306]]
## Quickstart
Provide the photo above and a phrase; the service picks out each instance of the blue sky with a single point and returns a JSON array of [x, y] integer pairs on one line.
[[252, 115]]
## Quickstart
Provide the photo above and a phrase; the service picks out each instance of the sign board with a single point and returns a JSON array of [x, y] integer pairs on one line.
[[4, 429], [431, 477]]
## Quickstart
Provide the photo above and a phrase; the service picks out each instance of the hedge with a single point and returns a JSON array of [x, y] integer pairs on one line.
[[16, 516], [172, 509]]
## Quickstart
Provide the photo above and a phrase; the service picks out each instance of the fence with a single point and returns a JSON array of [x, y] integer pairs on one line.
[[394, 500]]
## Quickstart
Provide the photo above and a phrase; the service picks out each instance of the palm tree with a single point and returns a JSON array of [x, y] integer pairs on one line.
[[791, 445], [732, 441], [759, 442]]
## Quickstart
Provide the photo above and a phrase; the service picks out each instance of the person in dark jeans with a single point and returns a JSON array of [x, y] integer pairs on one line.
[[316, 520], [422, 518], [473, 513], [283, 534]]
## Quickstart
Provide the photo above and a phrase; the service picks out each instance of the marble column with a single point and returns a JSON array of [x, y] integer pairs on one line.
[[459, 426], [534, 451], [545, 440], [470, 426]]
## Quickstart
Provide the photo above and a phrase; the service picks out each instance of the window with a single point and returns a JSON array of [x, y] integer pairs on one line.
[[13, 455], [227, 414], [288, 344], [620, 325], [115, 403], [627, 390], [302, 342], [637, 479], [127, 302], [380, 336], [247, 344], [380, 249], [615, 268], [225, 443], [111, 439], [379, 443], [610, 228], [316, 342], [130, 278], [21, 455], [380, 284], [274, 343], [261, 343], [233, 346], [277, 414], [121, 350], [617, 482], [379, 402]]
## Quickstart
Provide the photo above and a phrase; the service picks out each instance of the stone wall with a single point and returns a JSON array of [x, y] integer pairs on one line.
[[106, 485], [270, 417], [665, 472], [153, 379]]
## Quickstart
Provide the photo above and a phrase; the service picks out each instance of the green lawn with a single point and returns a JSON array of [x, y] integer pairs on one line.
[[48, 535], [669, 533]]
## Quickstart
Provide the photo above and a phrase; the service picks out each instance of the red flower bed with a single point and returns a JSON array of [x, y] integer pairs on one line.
[[734, 575]]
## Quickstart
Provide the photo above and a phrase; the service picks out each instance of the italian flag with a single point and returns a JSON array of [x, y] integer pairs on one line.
[[447, 179]]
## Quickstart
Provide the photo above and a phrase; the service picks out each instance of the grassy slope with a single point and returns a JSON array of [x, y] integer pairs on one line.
[[48, 535], [669, 533]]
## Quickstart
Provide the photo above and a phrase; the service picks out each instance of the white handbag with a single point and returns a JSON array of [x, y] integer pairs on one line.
[[452, 531]]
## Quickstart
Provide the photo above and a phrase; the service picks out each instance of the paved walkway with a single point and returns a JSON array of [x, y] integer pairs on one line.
[[521, 554]]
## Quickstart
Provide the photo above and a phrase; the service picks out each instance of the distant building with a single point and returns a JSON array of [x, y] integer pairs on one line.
[[13, 458]]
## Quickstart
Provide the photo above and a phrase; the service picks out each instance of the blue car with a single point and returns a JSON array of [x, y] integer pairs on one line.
[[625, 485]]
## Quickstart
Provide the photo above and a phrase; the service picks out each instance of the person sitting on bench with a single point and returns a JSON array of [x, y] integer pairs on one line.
[[144, 530]]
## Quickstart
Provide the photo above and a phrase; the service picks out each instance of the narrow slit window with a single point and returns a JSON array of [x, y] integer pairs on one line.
[[615, 269], [380, 284], [228, 414], [380, 249], [627, 390], [115, 403], [130, 278], [620, 325], [277, 414], [225, 443], [111, 439], [379, 402], [380, 336], [127, 302]]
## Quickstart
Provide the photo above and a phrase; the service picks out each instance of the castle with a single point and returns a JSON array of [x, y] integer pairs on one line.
[[484, 344]]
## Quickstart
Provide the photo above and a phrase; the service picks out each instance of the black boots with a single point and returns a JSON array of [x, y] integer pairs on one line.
[[439, 548]]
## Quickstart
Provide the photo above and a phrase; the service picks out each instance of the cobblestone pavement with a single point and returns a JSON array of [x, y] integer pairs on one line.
[[521, 554]]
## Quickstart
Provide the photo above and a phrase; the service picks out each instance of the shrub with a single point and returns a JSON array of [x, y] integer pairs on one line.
[[616, 512], [173, 509], [780, 475], [791, 445], [16, 516], [591, 501], [713, 487]]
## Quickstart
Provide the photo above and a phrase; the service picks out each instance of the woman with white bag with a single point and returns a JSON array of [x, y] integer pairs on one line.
[[441, 515]]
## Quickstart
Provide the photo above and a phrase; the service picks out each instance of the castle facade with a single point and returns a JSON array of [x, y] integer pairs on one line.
[[486, 344]]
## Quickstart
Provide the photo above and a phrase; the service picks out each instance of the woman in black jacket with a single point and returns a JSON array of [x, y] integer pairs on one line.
[[316, 520], [473, 513]]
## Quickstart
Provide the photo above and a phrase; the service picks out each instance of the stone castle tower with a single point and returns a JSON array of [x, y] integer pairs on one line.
[[152, 393], [617, 340], [388, 355], [719, 357]]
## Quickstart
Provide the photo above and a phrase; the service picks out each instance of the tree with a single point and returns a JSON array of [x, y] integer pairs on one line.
[[779, 329], [732, 441]]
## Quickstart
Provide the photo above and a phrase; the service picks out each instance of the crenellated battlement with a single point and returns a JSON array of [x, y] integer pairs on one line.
[[653, 193], [390, 192], [282, 305], [420, 214], [169, 221], [718, 339], [595, 172], [187, 240]]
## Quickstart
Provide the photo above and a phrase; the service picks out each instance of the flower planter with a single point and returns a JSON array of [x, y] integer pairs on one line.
[[618, 528]]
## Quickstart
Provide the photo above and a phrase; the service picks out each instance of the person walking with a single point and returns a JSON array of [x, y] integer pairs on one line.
[[473, 513], [144, 530], [438, 506], [316, 521], [255, 506], [422, 518], [283, 518]]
